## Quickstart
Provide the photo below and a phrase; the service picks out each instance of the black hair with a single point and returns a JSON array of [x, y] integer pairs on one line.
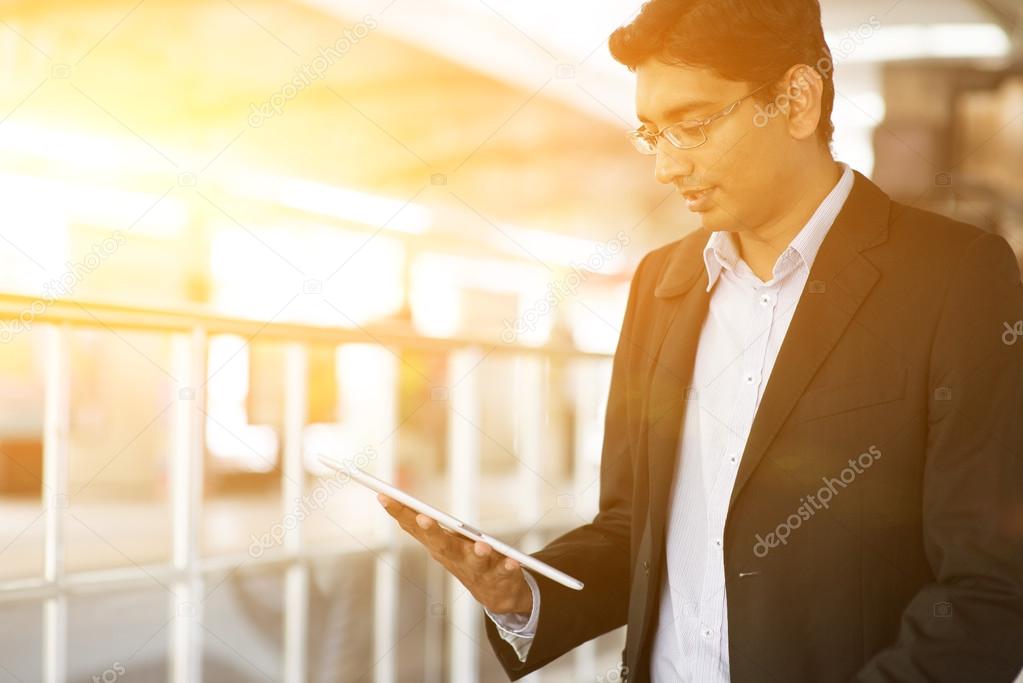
[[752, 41]]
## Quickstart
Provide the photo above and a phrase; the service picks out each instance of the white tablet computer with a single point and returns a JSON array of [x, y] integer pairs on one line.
[[452, 523]]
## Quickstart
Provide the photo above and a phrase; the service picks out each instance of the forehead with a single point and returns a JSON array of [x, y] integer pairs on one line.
[[664, 91]]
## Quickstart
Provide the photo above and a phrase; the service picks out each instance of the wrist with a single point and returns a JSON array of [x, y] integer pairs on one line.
[[519, 602], [524, 601]]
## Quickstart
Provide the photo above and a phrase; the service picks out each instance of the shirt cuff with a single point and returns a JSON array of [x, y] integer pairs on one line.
[[516, 629]]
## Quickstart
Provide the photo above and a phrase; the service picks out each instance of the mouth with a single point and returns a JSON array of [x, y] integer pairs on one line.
[[696, 193], [697, 199]]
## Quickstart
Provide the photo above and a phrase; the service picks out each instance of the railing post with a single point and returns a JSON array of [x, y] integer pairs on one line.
[[530, 410], [464, 479], [56, 428], [296, 580], [186, 482], [382, 421], [433, 631]]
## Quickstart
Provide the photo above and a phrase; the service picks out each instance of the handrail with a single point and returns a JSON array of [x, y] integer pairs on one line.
[[116, 315]]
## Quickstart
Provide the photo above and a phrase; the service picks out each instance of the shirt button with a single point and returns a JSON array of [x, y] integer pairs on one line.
[[717, 543], [749, 379], [765, 299], [733, 459], [707, 632]]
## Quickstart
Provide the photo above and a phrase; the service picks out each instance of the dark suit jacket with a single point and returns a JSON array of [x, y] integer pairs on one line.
[[913, 570]]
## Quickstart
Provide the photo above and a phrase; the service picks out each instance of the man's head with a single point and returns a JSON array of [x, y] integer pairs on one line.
[[693, 59]]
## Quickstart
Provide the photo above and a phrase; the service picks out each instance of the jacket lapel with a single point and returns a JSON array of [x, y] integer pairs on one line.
[[676, 331], [685, 285], [839, 281]]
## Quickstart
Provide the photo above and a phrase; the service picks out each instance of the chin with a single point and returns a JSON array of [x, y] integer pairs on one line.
[[717, 219], [712, 220]]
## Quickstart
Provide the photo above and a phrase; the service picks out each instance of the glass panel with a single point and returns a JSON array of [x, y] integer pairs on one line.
[[360, 429], [123, 396], [419, 611], [242, 622], [119, 636], [244, 404], [341, 618], [527, 442], [21, 455], [21, 649]]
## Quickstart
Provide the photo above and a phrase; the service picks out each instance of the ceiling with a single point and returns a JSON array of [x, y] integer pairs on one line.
[[487, 111]]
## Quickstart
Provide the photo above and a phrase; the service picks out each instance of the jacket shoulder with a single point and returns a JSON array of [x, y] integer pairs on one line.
[[923, 226], [944, 245], [652, 265]]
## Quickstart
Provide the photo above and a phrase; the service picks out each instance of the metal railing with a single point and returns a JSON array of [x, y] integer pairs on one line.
[[191, 331]]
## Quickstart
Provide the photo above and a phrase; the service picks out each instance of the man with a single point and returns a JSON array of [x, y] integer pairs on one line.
[[812, 457]]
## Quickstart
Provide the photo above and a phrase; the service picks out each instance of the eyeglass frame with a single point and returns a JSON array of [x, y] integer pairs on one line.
[[638, 134]]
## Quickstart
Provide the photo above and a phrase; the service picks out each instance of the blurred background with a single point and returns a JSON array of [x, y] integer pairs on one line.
[[241, 234]]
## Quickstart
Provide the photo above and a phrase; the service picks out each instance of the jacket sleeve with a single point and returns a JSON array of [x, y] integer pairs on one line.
[[967, 625], [598, 554]]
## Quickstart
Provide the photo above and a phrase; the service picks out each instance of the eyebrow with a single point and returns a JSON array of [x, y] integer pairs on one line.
[[680, 111]]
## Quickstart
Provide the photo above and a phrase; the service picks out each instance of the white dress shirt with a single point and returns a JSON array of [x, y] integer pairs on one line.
[[745, 326]]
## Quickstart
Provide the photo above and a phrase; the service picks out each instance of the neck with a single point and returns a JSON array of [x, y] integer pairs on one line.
[[760, 248]]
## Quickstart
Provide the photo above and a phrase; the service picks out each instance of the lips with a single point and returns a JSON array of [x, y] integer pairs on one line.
[[696, 193], [699, 199]]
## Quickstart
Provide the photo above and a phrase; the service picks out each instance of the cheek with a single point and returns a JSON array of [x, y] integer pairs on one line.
[[746, 170], [753, 167], [747, 192]]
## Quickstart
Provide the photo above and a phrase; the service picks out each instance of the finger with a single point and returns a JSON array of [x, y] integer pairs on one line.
[[481, 558], [441, 542], [405, 517], [507, 568], [392, 507]]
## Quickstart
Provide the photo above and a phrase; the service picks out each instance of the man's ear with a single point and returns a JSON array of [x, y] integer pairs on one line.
[[804, 91]]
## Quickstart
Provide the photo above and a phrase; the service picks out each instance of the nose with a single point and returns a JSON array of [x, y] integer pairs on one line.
[[672, 163]]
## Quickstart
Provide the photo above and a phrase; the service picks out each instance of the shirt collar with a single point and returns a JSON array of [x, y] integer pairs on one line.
[[722, 251]]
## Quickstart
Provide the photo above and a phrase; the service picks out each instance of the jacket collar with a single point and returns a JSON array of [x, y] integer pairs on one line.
[[852, 229]]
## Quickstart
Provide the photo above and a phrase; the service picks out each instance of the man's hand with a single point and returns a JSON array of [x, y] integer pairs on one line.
[[494, 580]]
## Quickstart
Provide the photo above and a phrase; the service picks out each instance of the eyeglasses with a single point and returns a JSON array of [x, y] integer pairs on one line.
[[685, 134]]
